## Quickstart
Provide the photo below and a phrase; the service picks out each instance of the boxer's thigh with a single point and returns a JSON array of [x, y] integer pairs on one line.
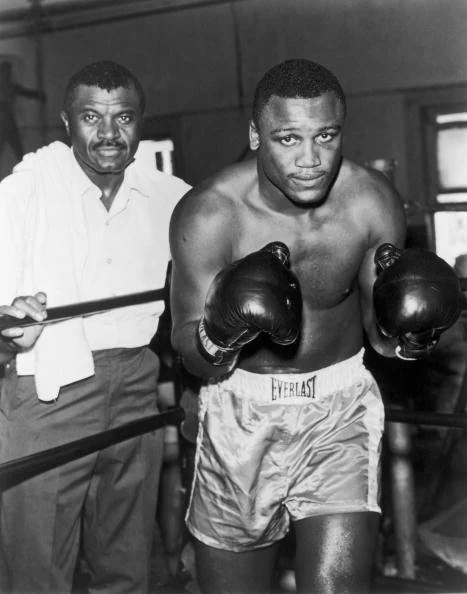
[[226, 572], [335, 552]]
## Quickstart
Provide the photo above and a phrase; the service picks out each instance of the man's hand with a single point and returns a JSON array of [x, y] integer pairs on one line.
[[17, 338]]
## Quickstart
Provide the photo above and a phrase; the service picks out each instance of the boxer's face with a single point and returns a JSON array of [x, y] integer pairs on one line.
[[104, 127], [299, 144]]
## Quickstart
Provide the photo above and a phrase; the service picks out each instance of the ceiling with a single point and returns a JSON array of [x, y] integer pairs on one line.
[[6, 5], [17, 17]]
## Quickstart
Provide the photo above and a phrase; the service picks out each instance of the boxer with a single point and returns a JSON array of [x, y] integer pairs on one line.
[[271, 295]]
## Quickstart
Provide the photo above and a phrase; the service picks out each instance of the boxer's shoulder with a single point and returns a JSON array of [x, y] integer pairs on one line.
[[218, 197], [366, 194], [232, 183]]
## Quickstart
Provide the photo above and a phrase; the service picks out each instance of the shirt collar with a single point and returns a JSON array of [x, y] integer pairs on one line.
[[137, 179], [134, 179]]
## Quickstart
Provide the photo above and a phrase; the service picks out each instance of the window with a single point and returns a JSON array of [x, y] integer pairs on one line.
[[165, 132], [445, 139], [163, 153]]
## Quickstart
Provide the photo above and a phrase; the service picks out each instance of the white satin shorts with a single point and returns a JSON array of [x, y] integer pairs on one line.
[[277, 448]]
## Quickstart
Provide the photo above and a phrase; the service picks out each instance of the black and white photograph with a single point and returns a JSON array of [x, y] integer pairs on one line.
[[233, 296]]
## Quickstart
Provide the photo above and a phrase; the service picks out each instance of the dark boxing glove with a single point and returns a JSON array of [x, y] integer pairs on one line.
[[416, 297], [255, 294]]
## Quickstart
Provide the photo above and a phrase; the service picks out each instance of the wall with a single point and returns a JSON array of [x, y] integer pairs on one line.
[[200, 65], [20, 51]]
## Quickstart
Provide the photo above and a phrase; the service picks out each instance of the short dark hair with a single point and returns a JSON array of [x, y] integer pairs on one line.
[[106, 75], [295, 78]]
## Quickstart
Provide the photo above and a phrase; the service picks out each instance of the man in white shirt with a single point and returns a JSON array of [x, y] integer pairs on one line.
[[77, 224]]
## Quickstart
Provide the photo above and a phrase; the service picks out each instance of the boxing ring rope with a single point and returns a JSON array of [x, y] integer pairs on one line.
[[21, 469], [16, 471], [83, 309], [395, 415]]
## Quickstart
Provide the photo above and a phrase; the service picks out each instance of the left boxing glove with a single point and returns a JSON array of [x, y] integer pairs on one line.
[[258, 293], [416, 297]]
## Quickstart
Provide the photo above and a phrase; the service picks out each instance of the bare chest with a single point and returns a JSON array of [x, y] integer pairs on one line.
[[326, 258]]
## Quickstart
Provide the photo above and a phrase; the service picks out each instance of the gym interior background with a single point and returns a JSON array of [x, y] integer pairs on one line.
[[403, 65]]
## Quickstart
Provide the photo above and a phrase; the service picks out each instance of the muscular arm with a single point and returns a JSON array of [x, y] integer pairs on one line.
[[200, 240], [387, 224]]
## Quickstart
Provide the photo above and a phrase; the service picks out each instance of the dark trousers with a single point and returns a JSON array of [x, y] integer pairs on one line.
[[105, 502]]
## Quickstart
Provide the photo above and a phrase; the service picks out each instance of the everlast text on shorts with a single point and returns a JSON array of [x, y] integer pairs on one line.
[[281, 390]]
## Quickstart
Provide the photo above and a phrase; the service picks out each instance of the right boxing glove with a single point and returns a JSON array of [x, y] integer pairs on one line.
[[255, 294]]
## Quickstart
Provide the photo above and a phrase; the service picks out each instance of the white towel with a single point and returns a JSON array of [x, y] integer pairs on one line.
[[55, 218]]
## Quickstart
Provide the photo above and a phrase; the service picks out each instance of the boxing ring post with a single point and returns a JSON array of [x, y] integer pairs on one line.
[[400, 466], [401, 476]]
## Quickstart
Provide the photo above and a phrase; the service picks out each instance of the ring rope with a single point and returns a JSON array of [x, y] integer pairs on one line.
[[426, 418], [21, 469], [85, 308]]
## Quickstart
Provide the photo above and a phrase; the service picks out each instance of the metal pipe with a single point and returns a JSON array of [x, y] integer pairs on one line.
[[403, 497]]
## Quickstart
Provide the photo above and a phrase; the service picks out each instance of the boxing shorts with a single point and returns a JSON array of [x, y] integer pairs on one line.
[[277, 448]]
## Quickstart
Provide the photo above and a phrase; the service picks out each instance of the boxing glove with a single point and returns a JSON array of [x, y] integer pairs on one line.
[[258, 293], [416, 297]]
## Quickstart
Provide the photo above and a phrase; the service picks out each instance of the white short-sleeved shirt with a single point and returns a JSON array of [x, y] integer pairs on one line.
[[59, 238]]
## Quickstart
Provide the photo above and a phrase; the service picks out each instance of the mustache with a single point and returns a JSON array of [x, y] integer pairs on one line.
[[109, 144]]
